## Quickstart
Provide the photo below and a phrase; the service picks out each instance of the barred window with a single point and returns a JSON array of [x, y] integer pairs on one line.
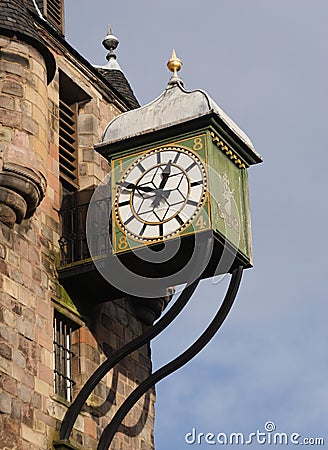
[[63, 356]]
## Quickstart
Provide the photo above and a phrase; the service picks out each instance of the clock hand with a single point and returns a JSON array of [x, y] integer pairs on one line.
[[137, 194], [159, 190], [163, 194], [159, 197], [158, 194], [165, 174], [134, 186]]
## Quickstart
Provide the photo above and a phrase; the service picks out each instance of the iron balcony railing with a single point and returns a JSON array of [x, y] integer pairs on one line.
[[74, 245]]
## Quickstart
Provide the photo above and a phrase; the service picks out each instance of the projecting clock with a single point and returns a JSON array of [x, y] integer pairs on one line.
[[159, 195], [177, 207]]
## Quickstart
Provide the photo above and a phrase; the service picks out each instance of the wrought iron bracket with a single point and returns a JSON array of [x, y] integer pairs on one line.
[[77, 405], [109, 432]]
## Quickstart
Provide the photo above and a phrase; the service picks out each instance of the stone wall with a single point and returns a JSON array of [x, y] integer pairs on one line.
[[24, 124], [30, 412]]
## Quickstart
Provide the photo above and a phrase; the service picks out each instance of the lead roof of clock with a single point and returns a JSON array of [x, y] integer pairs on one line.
[[175, 105]]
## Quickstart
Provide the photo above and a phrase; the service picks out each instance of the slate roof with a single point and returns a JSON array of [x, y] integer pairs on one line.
[[31, 5], [117, 79], [16, 21], [38, 2]]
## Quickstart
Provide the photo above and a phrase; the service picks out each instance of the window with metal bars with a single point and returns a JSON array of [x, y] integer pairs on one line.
[[63, 356], [54, 11]]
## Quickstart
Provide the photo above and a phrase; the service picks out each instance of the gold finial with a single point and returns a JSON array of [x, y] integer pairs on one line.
[[174, 64]]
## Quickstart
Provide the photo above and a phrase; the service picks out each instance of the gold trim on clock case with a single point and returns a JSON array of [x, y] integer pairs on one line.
[[224, 148]]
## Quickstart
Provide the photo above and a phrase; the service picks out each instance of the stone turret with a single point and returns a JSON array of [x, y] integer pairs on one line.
[[50, 121], [27, 67]]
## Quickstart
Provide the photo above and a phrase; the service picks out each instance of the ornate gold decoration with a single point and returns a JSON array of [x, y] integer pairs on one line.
[[174, 64], [225, 208], [227, 151]]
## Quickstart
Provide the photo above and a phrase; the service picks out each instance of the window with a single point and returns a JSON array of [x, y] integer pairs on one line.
[[54, 11], [63, 356], [68, 149], [70, 97]]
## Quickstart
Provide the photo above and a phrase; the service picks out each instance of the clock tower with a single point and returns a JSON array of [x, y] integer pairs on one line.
[[179, 192]]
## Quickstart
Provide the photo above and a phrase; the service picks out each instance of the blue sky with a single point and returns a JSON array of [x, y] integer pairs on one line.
[[265, 64]]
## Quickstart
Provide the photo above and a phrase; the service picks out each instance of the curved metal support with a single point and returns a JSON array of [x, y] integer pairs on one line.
[[76, 407], [109, 432]]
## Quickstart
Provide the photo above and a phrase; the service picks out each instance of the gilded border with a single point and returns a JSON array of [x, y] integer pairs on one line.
[[224, 148]]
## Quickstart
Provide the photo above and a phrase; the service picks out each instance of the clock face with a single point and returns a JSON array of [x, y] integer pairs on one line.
[[160, 194]]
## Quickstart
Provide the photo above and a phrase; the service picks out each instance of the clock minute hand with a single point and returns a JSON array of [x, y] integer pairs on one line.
[[134, 186], [165, 175]]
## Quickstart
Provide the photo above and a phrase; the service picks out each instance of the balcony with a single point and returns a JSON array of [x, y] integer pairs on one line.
[[77, 272], [73, 241]]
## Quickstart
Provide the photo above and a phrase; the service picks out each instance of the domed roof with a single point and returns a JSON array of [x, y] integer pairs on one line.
[[174, 106]]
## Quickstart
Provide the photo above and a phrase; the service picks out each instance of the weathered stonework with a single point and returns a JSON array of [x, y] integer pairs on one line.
[[21, 191], [24, 130], [30, 228]]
